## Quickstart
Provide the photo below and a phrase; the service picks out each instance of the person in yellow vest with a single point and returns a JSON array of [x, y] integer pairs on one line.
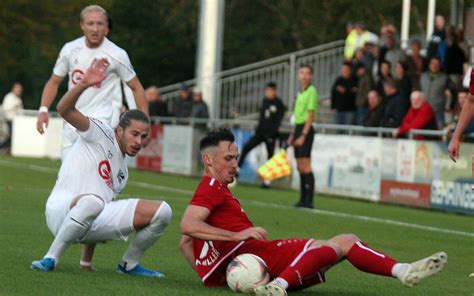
[[301, 138]]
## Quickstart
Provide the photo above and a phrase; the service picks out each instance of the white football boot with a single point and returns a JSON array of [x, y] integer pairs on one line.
[[424, 268], [270, 289]]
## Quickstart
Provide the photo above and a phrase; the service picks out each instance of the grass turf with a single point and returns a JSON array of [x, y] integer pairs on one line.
[[24, 237]]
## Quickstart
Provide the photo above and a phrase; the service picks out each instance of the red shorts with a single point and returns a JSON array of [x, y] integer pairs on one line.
[[277, 254]]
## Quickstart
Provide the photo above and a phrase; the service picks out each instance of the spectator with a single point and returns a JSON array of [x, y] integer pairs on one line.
[[199, 108], [353, 40], [343, 96], [394, 54], [463, 97], [271, 115], [156, 106], [434, 84], [419, 116], [366, 83], [403, 83], [184, 103], [12, 102], [383, 75], [454, 60], [387, 30], [11, 105], [416, 64], [395, 105], [375, 112], [436, 44]]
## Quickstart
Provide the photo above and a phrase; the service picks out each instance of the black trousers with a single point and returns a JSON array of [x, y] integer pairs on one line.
[[254, 141]]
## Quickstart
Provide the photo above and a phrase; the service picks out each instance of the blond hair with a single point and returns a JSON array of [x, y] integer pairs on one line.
[[91, 8]]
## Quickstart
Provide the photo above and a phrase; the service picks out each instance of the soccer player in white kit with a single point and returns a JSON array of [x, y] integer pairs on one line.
[[103, 100], [81, 207]]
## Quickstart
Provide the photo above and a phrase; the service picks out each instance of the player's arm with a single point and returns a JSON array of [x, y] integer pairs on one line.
[[67, 106], [465, 117], [307, 126], [138, 94], [186, 247], [193, 224], [47, 98]]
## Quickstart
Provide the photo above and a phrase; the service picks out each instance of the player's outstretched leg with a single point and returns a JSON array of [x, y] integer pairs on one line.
[[75, 225], [148, 234], [373, 261], [305, 270], [424, 268]]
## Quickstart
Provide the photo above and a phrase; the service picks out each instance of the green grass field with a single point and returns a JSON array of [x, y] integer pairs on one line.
[[24, 237]]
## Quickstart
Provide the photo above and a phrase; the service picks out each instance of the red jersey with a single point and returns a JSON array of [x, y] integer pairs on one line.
[[225, 213]]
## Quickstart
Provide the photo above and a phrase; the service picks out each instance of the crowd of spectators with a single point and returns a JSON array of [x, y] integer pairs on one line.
[[382, 85], [189, 104]]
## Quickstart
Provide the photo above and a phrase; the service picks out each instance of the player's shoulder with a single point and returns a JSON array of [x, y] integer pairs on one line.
[[73, 45], [102, 127], [209, 187], [114, 49]]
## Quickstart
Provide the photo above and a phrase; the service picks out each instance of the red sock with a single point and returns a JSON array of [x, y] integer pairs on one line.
[[369, 260], [305, 267]]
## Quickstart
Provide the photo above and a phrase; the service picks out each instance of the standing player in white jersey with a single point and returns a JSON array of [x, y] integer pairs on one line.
[[81, 207], [103, 100]]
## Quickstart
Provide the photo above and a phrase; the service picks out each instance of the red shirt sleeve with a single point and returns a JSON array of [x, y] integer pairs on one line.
[[207, 196]]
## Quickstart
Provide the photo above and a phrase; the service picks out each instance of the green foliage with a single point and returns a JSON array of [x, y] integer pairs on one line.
[[24, 237], [161, 36]]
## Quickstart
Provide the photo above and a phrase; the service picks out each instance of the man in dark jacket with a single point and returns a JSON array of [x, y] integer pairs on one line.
[[375, 114], [271, 114], [395, 105], [343, 96]]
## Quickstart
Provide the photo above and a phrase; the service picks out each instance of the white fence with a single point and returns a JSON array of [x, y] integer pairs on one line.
[[240, 90]]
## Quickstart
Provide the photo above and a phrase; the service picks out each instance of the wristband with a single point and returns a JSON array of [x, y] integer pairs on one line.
[[43, 109], [85, 263]]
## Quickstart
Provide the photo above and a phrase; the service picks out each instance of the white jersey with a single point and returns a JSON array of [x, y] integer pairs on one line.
[[102, 101], [95, 165]]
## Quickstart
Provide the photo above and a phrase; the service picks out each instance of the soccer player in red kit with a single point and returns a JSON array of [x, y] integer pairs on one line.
[[216, 229]]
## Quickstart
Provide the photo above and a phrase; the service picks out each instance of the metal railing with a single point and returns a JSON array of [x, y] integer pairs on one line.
[[322, 128], [240, 90]]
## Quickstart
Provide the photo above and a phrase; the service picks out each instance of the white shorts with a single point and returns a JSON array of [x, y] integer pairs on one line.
[[115, 222]]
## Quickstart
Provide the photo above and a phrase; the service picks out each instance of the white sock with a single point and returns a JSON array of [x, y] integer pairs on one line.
[[75, 225], [399, 269], [146, 237], [281, 282]]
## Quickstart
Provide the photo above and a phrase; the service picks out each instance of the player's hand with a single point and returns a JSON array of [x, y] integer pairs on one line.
[[96, 73], [453, 148], [299, 141], [395, 133], [42, 122], [290, 140], [249, 233]]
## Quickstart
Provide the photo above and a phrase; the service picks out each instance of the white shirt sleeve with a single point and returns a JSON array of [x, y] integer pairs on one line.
[[125, 69], [129, 97], [467, 78], [97, 132], [61, 68]]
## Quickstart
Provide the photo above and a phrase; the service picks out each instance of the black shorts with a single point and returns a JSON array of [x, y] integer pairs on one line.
[[305, 150]]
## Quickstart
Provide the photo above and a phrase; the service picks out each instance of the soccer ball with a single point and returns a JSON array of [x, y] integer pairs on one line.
[[246, 272]]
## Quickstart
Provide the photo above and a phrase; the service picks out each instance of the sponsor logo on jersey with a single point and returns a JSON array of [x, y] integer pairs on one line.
[[120, 176], [105, 173], [209, 254], [77, 75]]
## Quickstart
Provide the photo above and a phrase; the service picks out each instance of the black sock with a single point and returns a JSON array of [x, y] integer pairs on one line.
[[302, 188], [308, 189]]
